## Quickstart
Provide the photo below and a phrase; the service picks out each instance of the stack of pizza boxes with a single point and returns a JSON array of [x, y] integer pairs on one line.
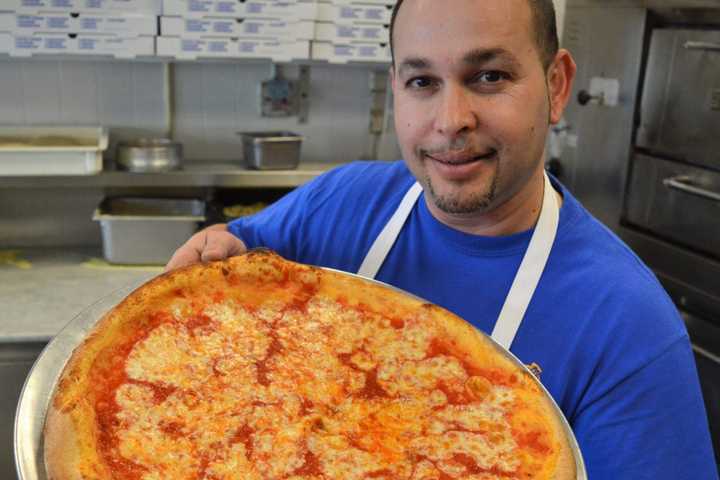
[[353, 31], [115, 28], [277, 29]]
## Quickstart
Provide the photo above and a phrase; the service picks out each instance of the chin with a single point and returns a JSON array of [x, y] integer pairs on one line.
[[459, 200]]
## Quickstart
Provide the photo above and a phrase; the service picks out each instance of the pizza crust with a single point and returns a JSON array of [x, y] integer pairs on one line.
[[61, 447], [70, 432]]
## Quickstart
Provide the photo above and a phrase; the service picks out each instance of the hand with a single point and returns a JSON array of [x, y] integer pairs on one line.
[[212, 243]]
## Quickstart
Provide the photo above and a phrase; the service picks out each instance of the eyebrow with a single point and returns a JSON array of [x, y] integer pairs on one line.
[[476, 57]]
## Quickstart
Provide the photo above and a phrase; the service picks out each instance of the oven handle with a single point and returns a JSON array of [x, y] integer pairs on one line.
[[680, 183], [712, 47], [706, 354]]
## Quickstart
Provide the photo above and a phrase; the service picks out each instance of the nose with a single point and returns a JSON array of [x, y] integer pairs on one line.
[[455, 115]]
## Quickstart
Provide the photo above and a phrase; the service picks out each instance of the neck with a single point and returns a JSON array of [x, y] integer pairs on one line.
[[516, 214]]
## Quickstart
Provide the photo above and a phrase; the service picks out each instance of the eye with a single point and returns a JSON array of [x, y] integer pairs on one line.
[[491, 76], [419, 83]]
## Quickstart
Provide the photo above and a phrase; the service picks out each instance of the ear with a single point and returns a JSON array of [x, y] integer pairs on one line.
[[392, 78], [560, 78]]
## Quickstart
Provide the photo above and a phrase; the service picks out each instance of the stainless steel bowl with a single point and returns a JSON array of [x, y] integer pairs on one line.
[[149, 155]]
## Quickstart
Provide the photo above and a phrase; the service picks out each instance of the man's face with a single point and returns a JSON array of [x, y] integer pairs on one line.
[[471, 100]]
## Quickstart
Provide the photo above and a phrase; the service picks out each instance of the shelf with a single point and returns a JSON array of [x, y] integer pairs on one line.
[[211, 175]]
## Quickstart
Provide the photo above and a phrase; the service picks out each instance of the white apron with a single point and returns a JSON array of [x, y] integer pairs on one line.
[[526, 278]]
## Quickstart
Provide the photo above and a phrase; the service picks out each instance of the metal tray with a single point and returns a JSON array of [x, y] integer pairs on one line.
[[146, 231], [38, 388]]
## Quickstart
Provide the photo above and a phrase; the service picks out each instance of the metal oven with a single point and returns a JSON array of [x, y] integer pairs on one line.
[[642, 149]]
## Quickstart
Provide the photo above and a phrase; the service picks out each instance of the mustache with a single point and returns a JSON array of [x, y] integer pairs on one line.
[[459, 146]]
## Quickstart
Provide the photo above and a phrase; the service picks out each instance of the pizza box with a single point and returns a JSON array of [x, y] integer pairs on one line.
[[148, 7], [51, 150], [350, 52], [193, 48], [341, 32], [37, 392], [121, 25], [229, 9], [354, 12], [24, 45], [236, 27]]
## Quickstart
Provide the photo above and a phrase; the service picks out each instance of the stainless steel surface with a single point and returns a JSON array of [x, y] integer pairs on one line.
[[149, 155], [688, 184], [708, 46], [680, 115], [70, 279], [595, 169], [146, 230], [35, 396], [197, 175], [279, 150], [661, 199]]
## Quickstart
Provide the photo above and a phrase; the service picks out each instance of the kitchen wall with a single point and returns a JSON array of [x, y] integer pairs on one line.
[[211, 102]]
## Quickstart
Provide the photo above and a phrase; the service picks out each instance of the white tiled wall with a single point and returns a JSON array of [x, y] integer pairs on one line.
[[127, 97], [214, 101]]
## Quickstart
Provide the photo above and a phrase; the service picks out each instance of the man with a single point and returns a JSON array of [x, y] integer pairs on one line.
[[476, 85]]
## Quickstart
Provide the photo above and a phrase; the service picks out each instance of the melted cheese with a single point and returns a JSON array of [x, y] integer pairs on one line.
[[254, 394]]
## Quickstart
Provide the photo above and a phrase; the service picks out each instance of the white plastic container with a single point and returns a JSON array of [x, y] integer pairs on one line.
[[193, 48], [93, 23], [51, 150], [237, 27]]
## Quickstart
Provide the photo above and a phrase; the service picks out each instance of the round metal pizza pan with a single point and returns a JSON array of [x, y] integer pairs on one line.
[[35, 396]]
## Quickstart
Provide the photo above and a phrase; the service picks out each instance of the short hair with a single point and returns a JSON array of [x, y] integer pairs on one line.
[[544, 26]]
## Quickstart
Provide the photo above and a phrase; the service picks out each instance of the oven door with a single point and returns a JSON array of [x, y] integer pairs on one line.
[[675, 201], [680, 109]]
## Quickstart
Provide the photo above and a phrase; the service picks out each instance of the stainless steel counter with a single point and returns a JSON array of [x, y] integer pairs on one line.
[[41, 290]]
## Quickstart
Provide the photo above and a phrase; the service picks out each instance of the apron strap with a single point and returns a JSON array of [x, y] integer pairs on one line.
[[384, 242], [530, 271]]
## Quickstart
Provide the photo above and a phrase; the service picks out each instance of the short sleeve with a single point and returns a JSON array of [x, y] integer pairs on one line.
[[277, 227]]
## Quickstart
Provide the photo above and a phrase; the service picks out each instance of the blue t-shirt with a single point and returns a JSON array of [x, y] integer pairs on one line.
[[613, 350]]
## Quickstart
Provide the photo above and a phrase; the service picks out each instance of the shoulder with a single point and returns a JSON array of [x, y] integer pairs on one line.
[[364, 178]]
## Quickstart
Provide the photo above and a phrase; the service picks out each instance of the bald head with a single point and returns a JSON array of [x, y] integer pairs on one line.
[[543, 25]]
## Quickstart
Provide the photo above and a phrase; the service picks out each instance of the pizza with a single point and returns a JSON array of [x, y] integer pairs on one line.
[[256, 367]]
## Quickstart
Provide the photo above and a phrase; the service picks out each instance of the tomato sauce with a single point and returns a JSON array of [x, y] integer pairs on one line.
[[310, 467]]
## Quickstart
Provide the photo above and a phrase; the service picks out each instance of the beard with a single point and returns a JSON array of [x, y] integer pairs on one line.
[[459, 204]]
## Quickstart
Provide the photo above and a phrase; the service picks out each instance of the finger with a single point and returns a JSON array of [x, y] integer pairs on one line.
[[221, 245], [184, 256], [189, 253]]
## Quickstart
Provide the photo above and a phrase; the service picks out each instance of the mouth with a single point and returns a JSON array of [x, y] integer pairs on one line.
[[460, 158]]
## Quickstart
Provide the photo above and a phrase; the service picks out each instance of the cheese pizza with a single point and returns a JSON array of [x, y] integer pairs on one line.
[[260, 368]]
